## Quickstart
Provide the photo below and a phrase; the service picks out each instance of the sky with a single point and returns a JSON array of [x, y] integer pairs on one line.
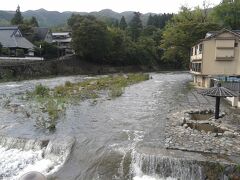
[[143, 6]]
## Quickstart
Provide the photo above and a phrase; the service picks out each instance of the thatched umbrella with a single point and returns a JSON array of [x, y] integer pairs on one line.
[[218, 92]]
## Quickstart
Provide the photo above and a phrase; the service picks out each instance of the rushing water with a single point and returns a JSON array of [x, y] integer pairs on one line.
[[107, 133]]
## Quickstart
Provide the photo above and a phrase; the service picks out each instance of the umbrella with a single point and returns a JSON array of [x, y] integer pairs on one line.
[[218, 92]]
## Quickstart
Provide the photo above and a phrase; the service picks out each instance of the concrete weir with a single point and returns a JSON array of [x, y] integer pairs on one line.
[[179, 164], [22, 155]]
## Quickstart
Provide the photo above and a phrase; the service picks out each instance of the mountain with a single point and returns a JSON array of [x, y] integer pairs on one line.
[[48, 18], [55, 18]]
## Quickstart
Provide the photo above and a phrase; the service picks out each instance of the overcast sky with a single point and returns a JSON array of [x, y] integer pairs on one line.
[[144, 6]]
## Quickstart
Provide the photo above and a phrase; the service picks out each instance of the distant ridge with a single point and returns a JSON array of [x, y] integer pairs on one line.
[[55, 18]]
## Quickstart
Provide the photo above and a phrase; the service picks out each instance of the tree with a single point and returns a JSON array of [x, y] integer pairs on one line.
[[47, 50], [90, 38], [135, 26], [180, 34], [118, 47], [227, 13], [149, 30], [33, 22], [123, 24], [150, 20], [159, 21], [18, 18]]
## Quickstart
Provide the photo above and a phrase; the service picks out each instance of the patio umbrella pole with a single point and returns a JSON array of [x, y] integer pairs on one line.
[[218, 92], [217, 107]]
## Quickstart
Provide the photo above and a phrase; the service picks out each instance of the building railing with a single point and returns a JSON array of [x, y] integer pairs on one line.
[[233, 86]]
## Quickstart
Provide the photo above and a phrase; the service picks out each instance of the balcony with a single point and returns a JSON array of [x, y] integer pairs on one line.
[[196, 57], [196, 52]]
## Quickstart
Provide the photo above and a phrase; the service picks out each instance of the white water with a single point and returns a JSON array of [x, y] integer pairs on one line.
[[139, 175], [159, 167], [19, 156], [145, 177], [137, 161], [15, 162]]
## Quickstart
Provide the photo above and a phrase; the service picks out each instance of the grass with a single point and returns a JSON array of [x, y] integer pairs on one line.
[[115, 92], [54, 101], [190, 86]]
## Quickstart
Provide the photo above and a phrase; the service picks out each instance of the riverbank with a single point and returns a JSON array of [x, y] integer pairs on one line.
[[22, 70]]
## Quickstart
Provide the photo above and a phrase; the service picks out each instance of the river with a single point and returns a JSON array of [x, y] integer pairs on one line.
[[107, 133]]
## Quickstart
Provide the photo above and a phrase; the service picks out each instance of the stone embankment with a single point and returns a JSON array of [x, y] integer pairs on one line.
[[193, 129], [205, 136], [20, 70]]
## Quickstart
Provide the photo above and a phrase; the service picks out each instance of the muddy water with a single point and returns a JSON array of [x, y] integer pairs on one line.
[[107, 132]]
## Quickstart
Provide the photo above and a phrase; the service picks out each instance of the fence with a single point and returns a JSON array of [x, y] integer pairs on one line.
[[234, 86]]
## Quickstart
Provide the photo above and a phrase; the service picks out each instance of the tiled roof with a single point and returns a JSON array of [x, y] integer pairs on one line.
[[211, 34], [8, 28], [9, 38], [41, 32]]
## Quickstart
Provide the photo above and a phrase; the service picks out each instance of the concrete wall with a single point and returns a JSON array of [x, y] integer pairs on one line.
[[201, 81]]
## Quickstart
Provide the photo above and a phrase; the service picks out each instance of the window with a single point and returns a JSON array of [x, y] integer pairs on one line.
[[235, 44], [225, 49], [197, 67], [200, 48]]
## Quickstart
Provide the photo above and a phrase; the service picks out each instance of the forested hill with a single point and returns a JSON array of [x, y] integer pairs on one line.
[[55, 18]]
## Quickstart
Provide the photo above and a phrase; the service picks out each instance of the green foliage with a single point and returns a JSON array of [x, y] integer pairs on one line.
[[117, 53], [33, 21], [25, 25], [8, 74], [180, 34], [68, 84], [142, 52], [149, 30], [52, 109], [115, 91], [47, 50], [18, 18], [238, 168], [5, 51], [227, 13], [123, 24], [159, 21], [41, 90], [91, 38], [19, 52], [135, 26]]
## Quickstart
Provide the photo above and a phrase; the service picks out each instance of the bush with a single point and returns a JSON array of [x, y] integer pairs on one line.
[[41, 90], [20, 53], [115, 91], [47, 50], [60, 91], [68, 84], [5, 51]]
